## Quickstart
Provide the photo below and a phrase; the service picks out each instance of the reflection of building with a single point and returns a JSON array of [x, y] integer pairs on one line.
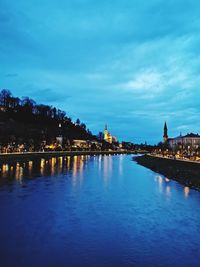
[[108, 137]]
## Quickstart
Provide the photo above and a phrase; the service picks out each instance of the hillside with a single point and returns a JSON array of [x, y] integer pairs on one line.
[[23, 121]]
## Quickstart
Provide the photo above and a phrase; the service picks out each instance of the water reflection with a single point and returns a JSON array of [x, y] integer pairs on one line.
[[50, 167], [165, 186], [43, 167], [168, 190], [186, 191], [159, 180], [107, 167], [121, 164], [30, 166], [75, 165], [77, 170], [107, 210]]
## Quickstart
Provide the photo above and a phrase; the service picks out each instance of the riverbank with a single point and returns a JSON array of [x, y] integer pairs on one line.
[[49, 154], [185, 172]]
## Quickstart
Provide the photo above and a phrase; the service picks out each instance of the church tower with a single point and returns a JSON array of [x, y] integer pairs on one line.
[[105, 131], [165, 136], [107, 135]]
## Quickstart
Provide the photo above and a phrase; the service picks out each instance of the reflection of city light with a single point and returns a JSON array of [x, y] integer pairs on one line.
[[107, 167], [54, 160], [30, 166], [168, 190], [100, 162], [53, 163], [186, 191], [19, 172], [121, 164], [60, 163], [74, 166], [160, 179], [42, 164], [77, 170], [68, 162], [4, 169]]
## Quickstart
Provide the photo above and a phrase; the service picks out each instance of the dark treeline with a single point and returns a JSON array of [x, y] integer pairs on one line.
[[25, 121]]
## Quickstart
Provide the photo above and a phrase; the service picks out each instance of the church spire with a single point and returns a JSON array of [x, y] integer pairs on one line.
[[165, 135]]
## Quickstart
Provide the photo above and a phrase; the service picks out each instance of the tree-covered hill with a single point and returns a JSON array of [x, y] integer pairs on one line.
[[25, 121]]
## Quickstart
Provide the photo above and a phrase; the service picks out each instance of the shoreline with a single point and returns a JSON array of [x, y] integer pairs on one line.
[[48, 154], [182, 171]]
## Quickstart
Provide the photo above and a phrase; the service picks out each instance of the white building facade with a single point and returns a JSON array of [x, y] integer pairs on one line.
[[189, 141]]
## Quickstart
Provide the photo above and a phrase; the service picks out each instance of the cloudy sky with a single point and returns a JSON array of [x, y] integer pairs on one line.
[[129, 63]]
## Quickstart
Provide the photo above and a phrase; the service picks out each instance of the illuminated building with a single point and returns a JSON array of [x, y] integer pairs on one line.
[[108, 137], [80, 144], [86, 144], [188, 141]]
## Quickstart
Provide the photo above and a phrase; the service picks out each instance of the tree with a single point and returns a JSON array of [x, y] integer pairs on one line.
[[54, 111], [28, 104], [5, 97], [78, 121], [44, 110], [83, 126], [61, 114], [100, 136], [15, 101]]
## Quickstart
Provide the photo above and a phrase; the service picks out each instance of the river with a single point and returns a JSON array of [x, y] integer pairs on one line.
[[95, 211]]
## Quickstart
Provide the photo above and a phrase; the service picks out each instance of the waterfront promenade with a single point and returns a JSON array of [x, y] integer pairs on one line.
[[174, 158]]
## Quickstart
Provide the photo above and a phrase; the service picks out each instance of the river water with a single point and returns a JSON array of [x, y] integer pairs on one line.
[[92, 211]]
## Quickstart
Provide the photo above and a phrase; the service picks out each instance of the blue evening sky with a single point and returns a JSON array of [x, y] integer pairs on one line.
[[129, 63]]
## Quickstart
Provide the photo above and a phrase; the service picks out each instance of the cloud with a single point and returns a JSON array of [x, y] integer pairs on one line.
[[11, 75], [129, 63], [147, 83]]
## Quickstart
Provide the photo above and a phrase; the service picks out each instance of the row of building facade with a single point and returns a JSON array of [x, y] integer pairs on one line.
[[190, 141]]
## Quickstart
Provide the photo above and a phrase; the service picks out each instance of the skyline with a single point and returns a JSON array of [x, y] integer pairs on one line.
[[130, 65]]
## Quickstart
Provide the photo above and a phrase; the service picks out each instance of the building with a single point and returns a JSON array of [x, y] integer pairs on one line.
[[189, 141], [59, 138], [86, 144], [165, 135], [108, 136]]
